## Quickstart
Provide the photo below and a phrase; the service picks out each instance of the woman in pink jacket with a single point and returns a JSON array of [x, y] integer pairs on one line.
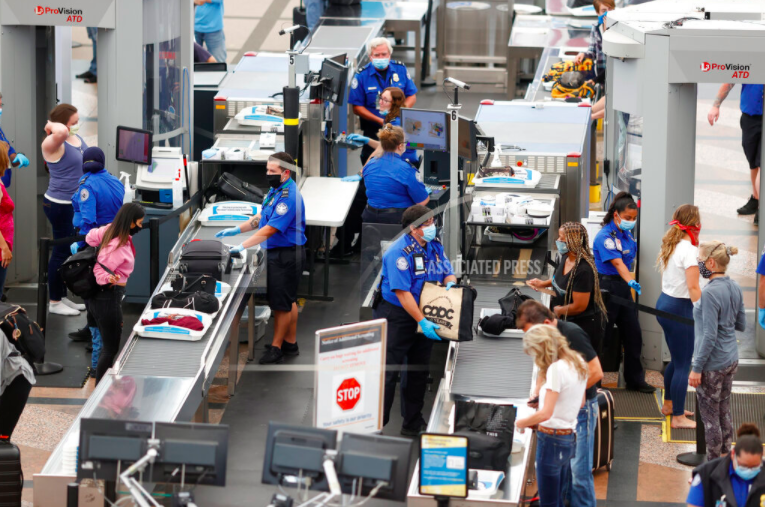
[[6, 219], [116, 260]]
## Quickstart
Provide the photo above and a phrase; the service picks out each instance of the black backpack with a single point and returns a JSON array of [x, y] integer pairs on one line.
[[77, 272], [24, 333], [202, 283], [234, 188], [205, 257], [198, 301]]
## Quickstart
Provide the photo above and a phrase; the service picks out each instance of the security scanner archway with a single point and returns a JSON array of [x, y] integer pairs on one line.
[[657, 55]]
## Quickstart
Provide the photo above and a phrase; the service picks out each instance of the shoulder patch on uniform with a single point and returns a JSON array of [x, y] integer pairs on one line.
[[355, 83], [401, 264], [281, 208], [362, 69], [407, 75], [696, 480], [408, 249], [610, 244], [285, 192], [399, 62], [84, 194]]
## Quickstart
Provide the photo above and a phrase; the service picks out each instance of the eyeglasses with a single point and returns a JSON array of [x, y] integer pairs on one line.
[[383, 100]]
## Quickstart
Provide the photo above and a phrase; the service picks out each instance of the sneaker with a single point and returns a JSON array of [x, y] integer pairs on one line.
[[71, 304], [413, 432], [61, 309], [290, 349], [92, 373], [273, 355], [81, 335], [750, 208], [85, 75], [645, 387]]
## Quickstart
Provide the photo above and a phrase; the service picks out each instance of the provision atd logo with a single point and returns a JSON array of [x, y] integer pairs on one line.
[[739, 70], [73, 15], [440, 311]]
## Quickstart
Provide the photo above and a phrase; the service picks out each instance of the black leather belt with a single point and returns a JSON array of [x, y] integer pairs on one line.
[[611, 277], [385, 210]]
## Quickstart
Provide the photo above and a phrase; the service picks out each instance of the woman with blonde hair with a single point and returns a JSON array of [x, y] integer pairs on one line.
[[562, 379], [577, 290], [680, 291], [715, 353]]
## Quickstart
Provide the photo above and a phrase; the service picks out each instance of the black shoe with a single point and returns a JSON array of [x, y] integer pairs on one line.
[[645, 387], [273, 355], [89, 349], [85, 75], [290, 349], [81, 335], [92, 373], [750, 208], [335, 253], [413, 432], [91, 80], [756, 219]]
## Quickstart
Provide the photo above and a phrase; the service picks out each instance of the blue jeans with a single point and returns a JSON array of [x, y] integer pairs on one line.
[[580, 489], [92, 35], [679, 339], [554, 453], [3, 274], [97, 345], [215, 42], [60, 218]]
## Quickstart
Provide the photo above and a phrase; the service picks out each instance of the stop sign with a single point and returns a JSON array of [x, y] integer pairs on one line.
[[348, 393]]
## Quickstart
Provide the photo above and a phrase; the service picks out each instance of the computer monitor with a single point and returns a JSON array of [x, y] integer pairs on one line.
[[341, 58], [444, 465], [369, 459], [202, 448], [134, 145], [333, 78], [467, 144], [105, 443], [297, 451], [425, 130]]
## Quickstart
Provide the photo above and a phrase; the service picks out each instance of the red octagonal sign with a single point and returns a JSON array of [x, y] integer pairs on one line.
[[348, 394]]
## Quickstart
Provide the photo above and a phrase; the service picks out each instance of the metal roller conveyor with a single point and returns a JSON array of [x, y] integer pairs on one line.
[[167, 380]]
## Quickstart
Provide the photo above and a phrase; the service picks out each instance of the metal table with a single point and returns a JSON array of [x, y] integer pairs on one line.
[[532, 34]]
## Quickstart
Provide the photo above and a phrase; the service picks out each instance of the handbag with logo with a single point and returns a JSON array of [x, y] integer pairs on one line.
[[451, 309]]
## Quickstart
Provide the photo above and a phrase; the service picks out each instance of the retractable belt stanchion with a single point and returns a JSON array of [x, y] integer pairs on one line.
[[153, 253], [44, 368], [699, 456], [425, 80]]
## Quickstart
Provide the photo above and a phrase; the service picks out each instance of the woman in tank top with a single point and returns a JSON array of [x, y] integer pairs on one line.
[[62, 151]]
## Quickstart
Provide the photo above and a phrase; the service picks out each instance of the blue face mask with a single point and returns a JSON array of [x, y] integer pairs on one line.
[[562, 246], [602, 18], [429, 233], [747, 473], [381, 63], [627, 225]]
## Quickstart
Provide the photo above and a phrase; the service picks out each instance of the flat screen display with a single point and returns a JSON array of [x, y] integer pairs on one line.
[[443, 465], [134, 145], [425, 130]]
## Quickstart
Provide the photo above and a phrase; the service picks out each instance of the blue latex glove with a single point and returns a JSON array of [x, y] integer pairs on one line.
[[236, 249], [350, 179], [74, 247], [634, 285], [22, 160], [761, 317], [429, 329], [428, 189], [233, 231], [449, 285], [357, 138]]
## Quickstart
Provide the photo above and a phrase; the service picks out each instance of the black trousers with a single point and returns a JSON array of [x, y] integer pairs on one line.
[[626, 319], [594, 326], [106, 308], [410, 353], [373, 217], [12, 404]]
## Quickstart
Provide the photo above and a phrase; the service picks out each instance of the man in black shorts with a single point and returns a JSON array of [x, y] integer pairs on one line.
[[581, 485], [751, 135]]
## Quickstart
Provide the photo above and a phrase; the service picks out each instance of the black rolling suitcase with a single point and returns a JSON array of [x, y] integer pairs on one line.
[[603, 454], [11, 476]]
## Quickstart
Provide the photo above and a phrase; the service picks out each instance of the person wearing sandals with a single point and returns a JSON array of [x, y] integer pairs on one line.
[[680, 291]]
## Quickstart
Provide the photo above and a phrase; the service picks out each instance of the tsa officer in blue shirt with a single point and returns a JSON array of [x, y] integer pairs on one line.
[[761, 290], [368, 84], [17, 159], [390, 181], [615, 250], [281, 229], [414, 258], [751, 135]]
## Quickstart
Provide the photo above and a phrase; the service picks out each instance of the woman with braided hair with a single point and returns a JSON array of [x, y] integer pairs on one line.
[[680, 291], [577, 296]]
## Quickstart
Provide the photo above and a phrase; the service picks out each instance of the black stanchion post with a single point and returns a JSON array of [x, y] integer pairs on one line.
[[44, 368], [72, 494], [699, 456], [153, 253], [425, 79]]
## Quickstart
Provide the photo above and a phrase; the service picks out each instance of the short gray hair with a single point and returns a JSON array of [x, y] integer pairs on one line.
[[379, 41]]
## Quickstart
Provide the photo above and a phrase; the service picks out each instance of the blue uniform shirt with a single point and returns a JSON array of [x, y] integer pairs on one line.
[[97, 200], [6, 179], [751, 99], [283, 209], [740, 489], [613, 243], [400, 267], [761, 265], [392, 183]]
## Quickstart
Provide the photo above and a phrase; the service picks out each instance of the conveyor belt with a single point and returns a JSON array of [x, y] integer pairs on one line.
[[492, 367]]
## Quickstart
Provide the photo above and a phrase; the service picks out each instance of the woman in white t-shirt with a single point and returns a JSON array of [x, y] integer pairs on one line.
[[678, 263], [561, 383]]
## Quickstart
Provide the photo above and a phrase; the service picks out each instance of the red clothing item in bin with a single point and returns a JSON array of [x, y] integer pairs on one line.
[[184, 321]]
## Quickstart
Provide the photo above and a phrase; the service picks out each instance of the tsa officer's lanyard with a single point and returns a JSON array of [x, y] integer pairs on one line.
[[272, 195]]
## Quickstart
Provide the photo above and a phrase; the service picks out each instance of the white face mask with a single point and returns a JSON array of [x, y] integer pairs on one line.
[[74, 129]]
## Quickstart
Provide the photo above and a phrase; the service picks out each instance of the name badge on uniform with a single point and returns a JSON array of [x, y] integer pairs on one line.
[[618, 244], [395, 77], [372, 88], [419, 264]]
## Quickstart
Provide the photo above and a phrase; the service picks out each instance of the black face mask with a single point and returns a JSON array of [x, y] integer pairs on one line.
[[134, 230], [274, 180]]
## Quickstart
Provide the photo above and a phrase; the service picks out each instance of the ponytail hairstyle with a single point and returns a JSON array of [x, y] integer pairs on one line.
[[390, 137], [686, 215], [719, 251], [578, 243], [622, 201], [397, 98], [545, 345], [127, 215]]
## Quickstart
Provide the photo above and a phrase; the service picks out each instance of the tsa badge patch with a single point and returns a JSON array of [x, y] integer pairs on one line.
[[281, 208], [401, 264], [355, 83], [84, 194], [610, 244]]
